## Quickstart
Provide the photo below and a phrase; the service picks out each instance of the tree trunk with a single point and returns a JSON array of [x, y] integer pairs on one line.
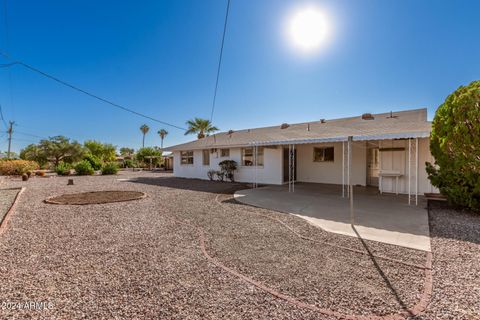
[[143, 141]]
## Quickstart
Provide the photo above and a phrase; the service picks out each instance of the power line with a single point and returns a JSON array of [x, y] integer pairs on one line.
[[220, 60], [30, 134], [1, 115], [88, 93]]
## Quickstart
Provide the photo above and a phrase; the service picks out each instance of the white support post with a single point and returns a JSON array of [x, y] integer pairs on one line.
[[293, 168], [343, 169], [255, 150], [352, 217], [416, 171], [349, 152], [289, 168], [409, 170]]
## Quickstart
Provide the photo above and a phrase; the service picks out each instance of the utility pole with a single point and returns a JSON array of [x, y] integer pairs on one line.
[[10, 131]]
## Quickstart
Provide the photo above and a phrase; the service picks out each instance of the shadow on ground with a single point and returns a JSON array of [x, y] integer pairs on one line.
[[192, 184]]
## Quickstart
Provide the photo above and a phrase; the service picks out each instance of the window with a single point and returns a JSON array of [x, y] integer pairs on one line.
[[224, 153], [323, 154], [206, 157], [248, 156], [186, 157]]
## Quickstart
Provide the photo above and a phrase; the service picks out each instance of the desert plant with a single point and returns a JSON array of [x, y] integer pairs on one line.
[[95, 162], [220, 175], [201, 127], [228, 167], [128, 163], [103, 151], [144, 129], [162, 133], [84, 168], [17, 167], [211, 174], [110, 168], [63, 169], [455, 145]]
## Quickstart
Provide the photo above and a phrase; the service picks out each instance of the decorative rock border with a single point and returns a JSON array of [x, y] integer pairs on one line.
[[51, 200], [6, 217]]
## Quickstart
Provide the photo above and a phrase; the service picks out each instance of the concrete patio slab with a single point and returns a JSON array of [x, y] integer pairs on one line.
[[384, 218]]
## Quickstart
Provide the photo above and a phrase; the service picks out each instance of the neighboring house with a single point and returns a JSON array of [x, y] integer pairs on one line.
[[389, 151]]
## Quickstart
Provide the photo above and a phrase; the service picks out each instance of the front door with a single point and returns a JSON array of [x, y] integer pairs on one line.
[[373, 166], [285, 164]]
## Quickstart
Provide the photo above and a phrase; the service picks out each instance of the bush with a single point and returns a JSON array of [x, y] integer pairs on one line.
[[94, 161], [110, 168], [17, 167], [228, 167], [129, 163], [455, 145], [84, 168], [211, 174], [63, 169]]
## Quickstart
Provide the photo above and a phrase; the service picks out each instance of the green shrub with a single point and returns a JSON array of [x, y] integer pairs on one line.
[[94, 161], [129, 163], [455, 145], [84, 168], [63, 169], [110, 168], [228, 167], [17, 167]]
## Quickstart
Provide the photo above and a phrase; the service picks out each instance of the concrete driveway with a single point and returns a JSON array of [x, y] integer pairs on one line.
[[384, 218]]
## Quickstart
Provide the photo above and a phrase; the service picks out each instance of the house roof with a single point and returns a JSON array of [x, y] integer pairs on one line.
[[391, 125]]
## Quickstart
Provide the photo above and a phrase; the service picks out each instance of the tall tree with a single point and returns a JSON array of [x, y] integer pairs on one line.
[[54, 149], [144, 129], [103, 151], [201, 127], [455, 146], [126, 152], [162, 133]]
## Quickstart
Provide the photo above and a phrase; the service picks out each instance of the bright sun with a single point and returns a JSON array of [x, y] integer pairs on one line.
[[307, 29]]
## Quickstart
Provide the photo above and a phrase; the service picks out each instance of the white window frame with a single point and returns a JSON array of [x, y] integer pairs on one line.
[[227, 153], [188, 154], [260, 156], [323, 149], [206, 152]]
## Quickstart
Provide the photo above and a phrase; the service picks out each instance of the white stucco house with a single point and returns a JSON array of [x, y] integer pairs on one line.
[[388, 151]]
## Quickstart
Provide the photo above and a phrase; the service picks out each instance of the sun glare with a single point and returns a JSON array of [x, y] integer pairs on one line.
[[307, 29]]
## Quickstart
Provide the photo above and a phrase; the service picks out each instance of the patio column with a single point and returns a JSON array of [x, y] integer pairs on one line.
[[352, 217], [293, 168], [409, 170], [343, 169], [416, 171], [255, 155], [289, 168]]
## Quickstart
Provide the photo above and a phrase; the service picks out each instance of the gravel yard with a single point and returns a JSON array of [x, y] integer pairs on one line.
[[143, 259]]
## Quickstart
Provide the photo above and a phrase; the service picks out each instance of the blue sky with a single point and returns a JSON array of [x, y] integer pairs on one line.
[[160, 57]]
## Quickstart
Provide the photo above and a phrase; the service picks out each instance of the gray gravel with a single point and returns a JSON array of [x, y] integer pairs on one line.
[[456, 265], [130, 260]]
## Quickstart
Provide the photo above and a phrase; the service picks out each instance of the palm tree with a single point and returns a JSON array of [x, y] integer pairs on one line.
[[144, 130], [162, 133], [201, 127]]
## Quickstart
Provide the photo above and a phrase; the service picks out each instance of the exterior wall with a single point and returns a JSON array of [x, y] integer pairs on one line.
[[398, 161], [331, 172], [270, 173], [320, 172]]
